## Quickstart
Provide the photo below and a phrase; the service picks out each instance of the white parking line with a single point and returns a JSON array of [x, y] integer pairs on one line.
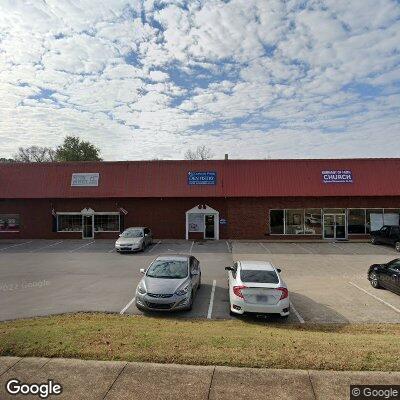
[[154, 246], [210, 307], [127, 306], [112, 250], [191, 247], [341, 248], [303, 248], [299, 317], [265, 248], [15, 245], [46, 247], [375, 297], [80, 247], [229, 247]]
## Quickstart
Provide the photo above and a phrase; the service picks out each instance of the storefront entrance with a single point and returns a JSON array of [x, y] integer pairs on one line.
[[209, 221], [335, 226], [202, 222], [87, 223]]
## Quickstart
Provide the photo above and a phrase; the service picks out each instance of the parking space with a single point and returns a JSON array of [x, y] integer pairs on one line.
[[327, 281]]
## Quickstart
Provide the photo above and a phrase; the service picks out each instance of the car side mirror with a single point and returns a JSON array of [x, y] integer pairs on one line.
[[120, 235], [279, 270], [142, 271], [229, 268]]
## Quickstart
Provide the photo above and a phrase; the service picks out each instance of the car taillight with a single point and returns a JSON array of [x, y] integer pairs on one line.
[[238, 291], [285, 292]]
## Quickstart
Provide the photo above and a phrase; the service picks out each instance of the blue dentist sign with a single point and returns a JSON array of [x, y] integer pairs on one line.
[[202, 178]]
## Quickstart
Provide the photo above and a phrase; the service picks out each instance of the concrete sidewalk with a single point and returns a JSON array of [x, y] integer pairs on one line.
[[120, 380]]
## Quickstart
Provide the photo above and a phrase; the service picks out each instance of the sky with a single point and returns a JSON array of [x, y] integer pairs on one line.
[[252, 78]]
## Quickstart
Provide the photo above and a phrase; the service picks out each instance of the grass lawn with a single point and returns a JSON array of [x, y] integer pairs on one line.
[[220, 342]]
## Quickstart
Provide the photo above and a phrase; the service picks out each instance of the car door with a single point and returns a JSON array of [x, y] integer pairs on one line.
[[384, 234], [194, 272], [394, 235], [393, 276]]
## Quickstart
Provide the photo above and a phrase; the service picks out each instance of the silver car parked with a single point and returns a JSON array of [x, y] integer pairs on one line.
[[170, 283], [134, 239]]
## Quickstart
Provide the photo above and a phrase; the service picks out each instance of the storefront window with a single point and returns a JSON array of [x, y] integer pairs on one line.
[[334, 210], [69, 222], [374, 220], [276, 222], [9, 223], [356, 224], [312, 221], [196, 222], [391, 216], [106, 223], [294, 222]]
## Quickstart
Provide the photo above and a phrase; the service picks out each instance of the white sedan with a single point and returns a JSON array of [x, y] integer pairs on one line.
[[257, 287]]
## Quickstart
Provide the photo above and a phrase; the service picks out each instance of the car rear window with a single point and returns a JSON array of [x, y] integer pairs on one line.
[[257, 276]]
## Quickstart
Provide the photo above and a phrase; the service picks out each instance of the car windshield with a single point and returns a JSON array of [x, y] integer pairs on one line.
[[132, 233], [394, 263], [168, 269], [257, 276]]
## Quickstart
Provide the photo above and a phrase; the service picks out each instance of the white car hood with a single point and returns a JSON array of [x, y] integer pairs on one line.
[[129, 240]]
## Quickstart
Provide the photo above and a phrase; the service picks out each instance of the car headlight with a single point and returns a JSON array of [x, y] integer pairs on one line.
[[141, 290], [183, 291]]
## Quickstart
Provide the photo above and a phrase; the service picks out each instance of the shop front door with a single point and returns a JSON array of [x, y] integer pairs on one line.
[[209, 230], [87, 232], [335, 226]]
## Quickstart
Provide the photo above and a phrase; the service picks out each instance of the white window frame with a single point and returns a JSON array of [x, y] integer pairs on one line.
[[69, 213], [347, 211], [108, 213], [19, 223], [96, 213], [365, 219], [284, 221]]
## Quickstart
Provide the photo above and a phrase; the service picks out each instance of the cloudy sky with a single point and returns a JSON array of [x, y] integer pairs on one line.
[[252, 78]]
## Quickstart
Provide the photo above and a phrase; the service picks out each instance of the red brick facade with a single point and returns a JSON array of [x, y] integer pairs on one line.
[[247, 218]]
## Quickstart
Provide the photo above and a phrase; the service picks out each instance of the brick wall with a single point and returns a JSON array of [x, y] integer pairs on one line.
[[247, 218]]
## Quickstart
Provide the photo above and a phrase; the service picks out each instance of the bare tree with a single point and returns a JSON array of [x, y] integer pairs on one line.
[[200, 153], [35, 154]]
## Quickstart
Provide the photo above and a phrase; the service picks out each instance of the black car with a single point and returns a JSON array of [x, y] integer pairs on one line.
[[388, 234], [385, 275]]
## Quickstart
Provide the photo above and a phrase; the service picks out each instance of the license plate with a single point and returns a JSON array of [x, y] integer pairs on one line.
[[261, 298]]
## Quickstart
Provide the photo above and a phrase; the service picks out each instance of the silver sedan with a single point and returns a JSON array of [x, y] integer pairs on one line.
[[134, 239], [170, 283]]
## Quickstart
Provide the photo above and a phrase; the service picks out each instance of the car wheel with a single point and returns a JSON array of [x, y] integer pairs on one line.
[[373, 279], [199, 284], [143, 246], [284, 317], [397, 246], [373, 240]]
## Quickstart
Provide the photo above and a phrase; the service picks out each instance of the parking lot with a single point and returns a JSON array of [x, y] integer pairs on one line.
[[327, 281]]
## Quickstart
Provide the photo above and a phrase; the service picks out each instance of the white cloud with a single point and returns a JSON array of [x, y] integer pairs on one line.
[[253, 78]]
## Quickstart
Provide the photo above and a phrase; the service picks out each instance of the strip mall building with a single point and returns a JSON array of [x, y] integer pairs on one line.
[[224, 199]]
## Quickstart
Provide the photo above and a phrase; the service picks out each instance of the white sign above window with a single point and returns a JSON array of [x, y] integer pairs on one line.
[[85, 179]]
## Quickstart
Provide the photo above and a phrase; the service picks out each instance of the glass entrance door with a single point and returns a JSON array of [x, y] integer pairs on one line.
[[334, 226], [87, 223], [209, 227]]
